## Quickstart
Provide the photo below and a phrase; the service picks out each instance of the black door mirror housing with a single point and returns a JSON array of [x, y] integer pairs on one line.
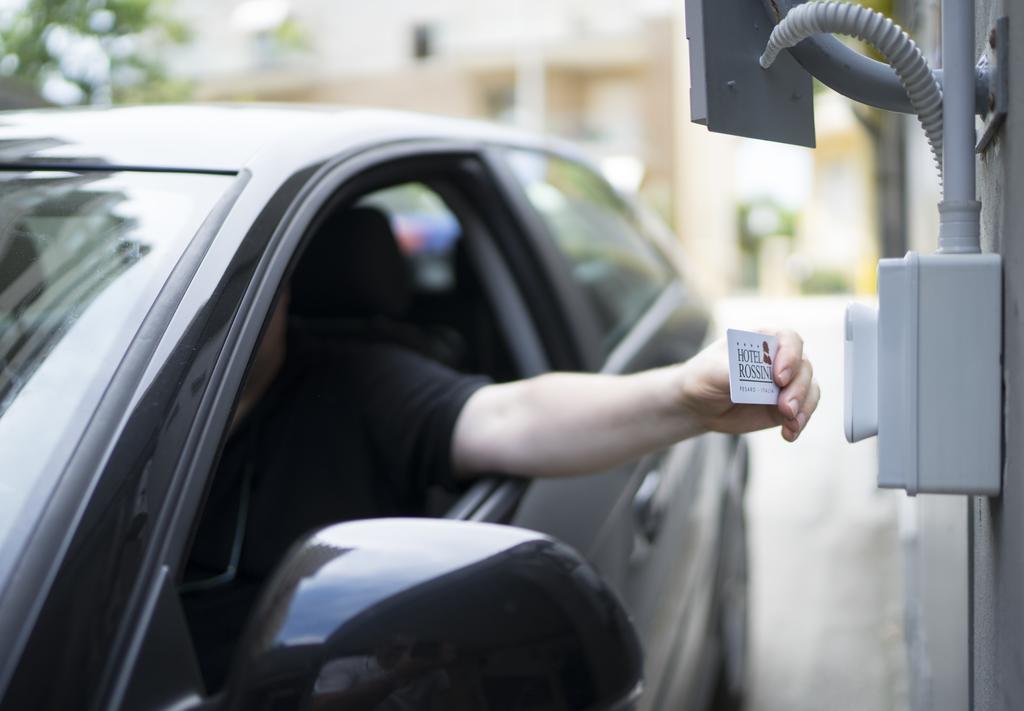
[[432, 614]]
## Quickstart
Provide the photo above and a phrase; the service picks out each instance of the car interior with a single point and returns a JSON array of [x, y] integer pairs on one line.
[[393, 263], [402, 271]]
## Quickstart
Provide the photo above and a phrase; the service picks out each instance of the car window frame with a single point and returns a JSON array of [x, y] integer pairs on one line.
[[183, 373], [579, 330], [151, 606], [470, 206], [589, 332], [38, 566], [478, 205]]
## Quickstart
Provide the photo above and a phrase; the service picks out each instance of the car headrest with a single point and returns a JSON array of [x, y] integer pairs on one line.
[[352, 268]]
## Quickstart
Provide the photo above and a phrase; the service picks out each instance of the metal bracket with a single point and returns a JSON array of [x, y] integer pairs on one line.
[[995, 64], [729, 91]]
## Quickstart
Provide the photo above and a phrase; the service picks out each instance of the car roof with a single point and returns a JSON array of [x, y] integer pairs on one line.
[[224, 137]]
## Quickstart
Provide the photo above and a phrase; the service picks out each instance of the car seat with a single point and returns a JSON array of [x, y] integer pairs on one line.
[[353, 282]]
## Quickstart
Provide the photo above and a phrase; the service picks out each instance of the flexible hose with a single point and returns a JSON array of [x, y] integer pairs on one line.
[[884, 35]]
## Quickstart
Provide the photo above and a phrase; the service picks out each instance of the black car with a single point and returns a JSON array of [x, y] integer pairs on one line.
[[141, 251]]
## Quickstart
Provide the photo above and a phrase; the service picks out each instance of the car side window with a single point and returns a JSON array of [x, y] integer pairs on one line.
[[598, 234]]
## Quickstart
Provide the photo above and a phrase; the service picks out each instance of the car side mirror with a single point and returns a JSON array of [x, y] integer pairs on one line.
[[430, 614]]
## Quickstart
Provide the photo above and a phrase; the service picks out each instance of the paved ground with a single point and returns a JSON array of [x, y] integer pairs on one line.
[[826, 577]]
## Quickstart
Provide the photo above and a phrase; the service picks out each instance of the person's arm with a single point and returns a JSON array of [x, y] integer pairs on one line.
[[572, 423]]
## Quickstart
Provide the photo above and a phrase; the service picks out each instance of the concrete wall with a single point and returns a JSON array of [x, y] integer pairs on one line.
[[997, 525], [938, 605], [965, 570], [969, 567]]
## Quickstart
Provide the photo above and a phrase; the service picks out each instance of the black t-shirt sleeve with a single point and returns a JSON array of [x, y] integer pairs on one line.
[[410, 404]]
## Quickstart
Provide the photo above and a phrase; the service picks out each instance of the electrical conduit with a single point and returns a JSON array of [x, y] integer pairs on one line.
[[887, 37], [959, 211]]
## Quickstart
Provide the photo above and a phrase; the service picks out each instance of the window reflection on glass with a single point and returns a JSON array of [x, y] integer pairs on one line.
[[64, 243], [603, 241], [82, 259], [64, 238]]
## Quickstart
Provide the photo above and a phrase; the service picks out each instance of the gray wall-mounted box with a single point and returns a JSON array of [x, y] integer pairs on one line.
[[939, 374], [729, 91]]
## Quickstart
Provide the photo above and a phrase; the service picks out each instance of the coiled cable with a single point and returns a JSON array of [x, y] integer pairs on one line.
[[884, 35]]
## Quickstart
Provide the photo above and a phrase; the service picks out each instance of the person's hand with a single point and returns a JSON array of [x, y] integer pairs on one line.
[[704, 391]]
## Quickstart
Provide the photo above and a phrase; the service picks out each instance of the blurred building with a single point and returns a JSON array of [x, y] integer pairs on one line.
[[838, 240], [598, 73], [609, 76]]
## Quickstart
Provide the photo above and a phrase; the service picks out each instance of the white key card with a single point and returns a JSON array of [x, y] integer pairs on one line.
[[751, 358]]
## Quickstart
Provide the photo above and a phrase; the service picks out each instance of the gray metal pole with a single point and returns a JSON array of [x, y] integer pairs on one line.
[[959, 211]]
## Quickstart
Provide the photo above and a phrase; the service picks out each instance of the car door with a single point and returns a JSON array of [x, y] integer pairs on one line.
[[650, 526]]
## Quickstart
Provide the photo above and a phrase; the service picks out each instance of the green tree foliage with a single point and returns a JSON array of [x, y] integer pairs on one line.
[[91, 51]]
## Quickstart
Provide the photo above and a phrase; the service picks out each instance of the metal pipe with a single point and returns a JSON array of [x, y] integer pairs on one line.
[[886, 36], [959, 211], [855, 76]]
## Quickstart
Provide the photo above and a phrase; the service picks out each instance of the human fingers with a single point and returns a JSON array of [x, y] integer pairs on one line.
[[810, 404], [788, 357], [792, 427], [792, 397]]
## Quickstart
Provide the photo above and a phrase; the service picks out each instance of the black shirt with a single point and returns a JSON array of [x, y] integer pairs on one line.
[[350, 430], [346, 431]]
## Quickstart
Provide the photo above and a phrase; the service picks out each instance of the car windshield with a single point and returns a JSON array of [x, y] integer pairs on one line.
[[83, 256]]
